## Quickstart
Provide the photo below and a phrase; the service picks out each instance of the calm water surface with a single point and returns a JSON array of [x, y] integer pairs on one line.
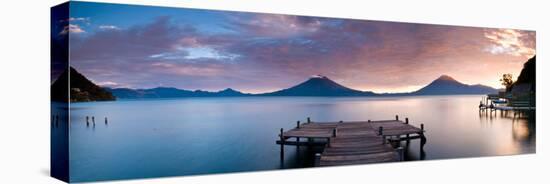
[[153, 138]]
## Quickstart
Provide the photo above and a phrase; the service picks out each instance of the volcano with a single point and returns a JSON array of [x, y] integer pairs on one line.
[[446, 85], [319, 85]]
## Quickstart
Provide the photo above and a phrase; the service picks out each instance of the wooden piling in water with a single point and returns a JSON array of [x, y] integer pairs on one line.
[[334, 132], [381, 133], [297, 138], [407, 122], [401, 153], [422, 138], [396, 118], [317, 159], [106, 122], [282, 145]]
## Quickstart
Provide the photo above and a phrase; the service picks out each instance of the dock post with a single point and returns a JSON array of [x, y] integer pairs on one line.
[[297, 138], [396, 118], [317, 159], [282, 145], [93, 120], [334, 131], [422, 138], [106, 122], [87, 121], [407, 122], [308, 120], [401, 153], [380, 132]]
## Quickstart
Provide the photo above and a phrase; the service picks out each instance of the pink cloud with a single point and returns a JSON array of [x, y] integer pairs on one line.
[[71, 28]]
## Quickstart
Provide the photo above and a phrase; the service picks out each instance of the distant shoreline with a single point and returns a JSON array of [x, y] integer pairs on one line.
[[257, 96]]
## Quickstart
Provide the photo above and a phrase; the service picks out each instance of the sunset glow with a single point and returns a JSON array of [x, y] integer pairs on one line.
[[213, 50]]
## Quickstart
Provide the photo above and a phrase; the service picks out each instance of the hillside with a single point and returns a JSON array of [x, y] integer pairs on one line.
[[81, 89]]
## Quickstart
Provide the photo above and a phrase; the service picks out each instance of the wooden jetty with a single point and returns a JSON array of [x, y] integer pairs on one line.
[[354, 142], [493, 103]]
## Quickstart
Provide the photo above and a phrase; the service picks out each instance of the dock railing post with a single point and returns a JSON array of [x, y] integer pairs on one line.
[[380, 132], [422, 138], [396, 118], [282, 145], [407, 122], [334, 131], [317, 159], [308, 120], [401, 153], [298, 138]]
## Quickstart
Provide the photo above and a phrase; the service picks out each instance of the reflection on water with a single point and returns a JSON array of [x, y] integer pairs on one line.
[[59, 136], [152, 138], [522, 129]]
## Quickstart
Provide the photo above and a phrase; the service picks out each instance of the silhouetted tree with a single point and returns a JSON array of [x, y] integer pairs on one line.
[[507, 81]]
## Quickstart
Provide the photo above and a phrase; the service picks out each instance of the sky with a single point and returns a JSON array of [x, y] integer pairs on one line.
[[145, 47]]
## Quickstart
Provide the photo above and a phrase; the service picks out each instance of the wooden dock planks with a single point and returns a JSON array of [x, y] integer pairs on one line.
[[355, 142]]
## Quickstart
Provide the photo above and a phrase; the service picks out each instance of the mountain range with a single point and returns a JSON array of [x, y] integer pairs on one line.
[[315, 86], [168, 92], [83, 89]]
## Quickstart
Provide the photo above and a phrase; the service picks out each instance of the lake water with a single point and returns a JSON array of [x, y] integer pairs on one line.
[[172, 137]]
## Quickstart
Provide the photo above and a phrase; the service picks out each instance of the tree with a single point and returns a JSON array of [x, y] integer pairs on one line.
[[507, 81]]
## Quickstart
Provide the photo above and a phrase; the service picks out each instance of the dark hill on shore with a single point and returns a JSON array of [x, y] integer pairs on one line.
[[528, 75], [82, 89]]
